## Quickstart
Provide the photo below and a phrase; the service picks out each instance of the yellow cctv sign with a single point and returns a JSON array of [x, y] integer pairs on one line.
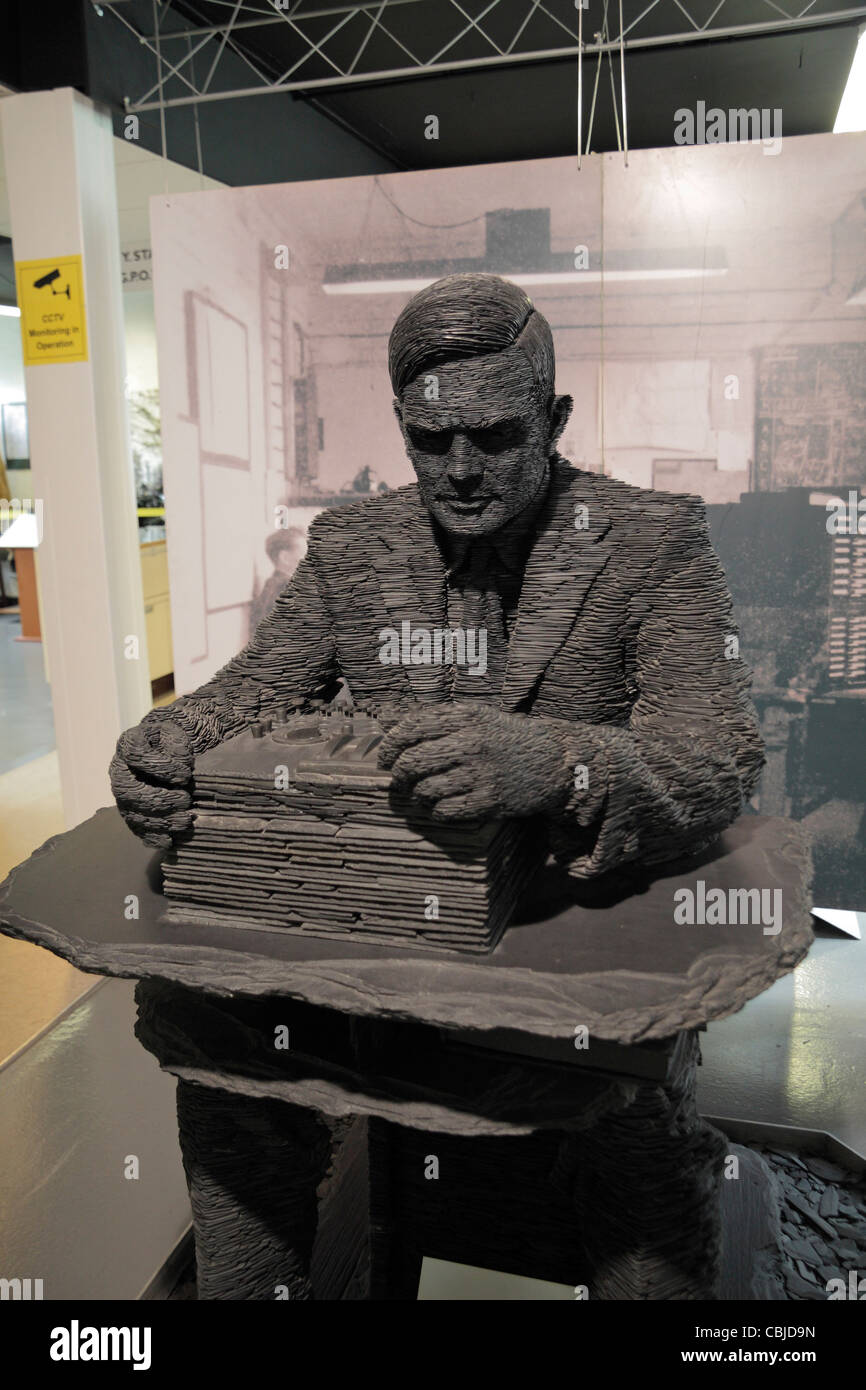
[[51, 300]]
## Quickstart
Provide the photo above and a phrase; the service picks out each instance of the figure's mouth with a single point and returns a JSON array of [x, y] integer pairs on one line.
[[469, 507]]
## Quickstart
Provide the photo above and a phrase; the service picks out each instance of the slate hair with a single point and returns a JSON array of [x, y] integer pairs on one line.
[[465, 316]]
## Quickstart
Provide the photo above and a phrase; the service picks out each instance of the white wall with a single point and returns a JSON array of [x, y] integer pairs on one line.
[[12, 389], [11, 363], [140, 332], [217, 515]]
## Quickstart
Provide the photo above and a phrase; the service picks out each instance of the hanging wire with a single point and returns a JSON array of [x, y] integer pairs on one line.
[[579, 84], [622, 84], [196, 125], [613, 96], [160, 78], [604, 44], [435, 226], [599, 38]]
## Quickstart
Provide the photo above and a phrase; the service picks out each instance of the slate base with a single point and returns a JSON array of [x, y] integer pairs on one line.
[[823, 1222], [763, 1233]]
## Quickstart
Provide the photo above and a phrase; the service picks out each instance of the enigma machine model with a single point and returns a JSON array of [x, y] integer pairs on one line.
[[296, 828]]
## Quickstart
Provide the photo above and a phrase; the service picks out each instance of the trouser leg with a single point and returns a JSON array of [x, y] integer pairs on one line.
[[252, 1167]]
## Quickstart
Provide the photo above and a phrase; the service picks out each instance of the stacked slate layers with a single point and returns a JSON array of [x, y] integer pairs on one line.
[[296, 828]]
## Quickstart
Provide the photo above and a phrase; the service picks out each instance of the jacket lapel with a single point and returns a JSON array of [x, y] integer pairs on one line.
[[560, 571], [411, 576], [561, 568]]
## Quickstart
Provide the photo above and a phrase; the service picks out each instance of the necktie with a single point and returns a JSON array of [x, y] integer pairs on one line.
[[482, 619]]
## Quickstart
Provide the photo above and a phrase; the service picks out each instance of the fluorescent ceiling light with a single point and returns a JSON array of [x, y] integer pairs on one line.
[[852, 108], [542, 277], [10, 311]]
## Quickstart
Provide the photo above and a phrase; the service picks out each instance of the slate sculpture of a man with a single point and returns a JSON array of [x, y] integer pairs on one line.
[[611, 701]]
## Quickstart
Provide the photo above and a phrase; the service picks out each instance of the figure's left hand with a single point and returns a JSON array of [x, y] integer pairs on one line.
[[469, 759]]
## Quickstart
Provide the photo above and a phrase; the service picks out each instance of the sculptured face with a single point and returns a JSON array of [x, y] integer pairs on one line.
[[480, 445]]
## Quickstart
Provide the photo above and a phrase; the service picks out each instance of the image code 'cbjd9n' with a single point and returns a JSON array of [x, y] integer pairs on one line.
[[296, 828]]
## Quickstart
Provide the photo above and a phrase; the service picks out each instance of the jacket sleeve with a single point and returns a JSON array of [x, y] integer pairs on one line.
[[291, 656], [691, 754]]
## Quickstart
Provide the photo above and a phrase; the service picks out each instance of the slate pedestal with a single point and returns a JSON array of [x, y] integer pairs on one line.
[[616, 1190]]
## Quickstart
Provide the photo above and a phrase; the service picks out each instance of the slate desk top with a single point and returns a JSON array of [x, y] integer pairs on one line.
[[605, 954]]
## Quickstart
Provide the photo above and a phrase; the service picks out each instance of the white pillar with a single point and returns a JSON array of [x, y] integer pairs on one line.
[[60, 175]]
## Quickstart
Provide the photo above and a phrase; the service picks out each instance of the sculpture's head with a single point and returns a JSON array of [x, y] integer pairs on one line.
[[472, 367]]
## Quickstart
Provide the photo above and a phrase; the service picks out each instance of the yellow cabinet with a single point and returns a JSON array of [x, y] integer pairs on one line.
[[157, 610]]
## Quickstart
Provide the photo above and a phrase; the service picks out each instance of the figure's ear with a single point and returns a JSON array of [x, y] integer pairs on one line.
[[398, 411], [560, 411]]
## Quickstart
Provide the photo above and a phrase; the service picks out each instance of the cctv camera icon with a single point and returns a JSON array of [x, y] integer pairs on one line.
[[48, 280]]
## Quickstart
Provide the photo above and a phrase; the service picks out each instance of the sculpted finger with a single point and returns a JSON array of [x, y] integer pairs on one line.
[[160, 750], [457, 781], [405, 735], [128, 790], [431, 755], [153, 800], [156, 830], [413, 729], [469, 807]]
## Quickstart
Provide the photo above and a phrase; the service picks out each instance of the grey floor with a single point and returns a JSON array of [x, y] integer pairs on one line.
[[75, 1108], [26, 715]]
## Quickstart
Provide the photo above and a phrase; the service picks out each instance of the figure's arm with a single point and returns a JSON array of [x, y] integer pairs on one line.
[[291, 656], [691, 754], [660, 786]]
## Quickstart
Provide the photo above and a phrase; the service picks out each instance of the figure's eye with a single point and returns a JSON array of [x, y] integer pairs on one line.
[[430, 441], [495, 439]]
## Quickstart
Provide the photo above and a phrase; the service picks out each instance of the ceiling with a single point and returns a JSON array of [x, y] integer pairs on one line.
[[261, 91]]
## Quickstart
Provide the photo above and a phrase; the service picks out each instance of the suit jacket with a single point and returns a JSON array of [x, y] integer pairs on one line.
[[624, 639]]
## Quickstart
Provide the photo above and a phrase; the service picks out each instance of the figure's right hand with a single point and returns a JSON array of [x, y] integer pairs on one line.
[[151, 778]]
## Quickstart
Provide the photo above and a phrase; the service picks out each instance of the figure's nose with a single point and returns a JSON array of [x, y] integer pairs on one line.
[[464, 461]]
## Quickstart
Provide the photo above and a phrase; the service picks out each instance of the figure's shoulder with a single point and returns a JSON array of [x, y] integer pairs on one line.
[[358, 520], [629, 505]]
